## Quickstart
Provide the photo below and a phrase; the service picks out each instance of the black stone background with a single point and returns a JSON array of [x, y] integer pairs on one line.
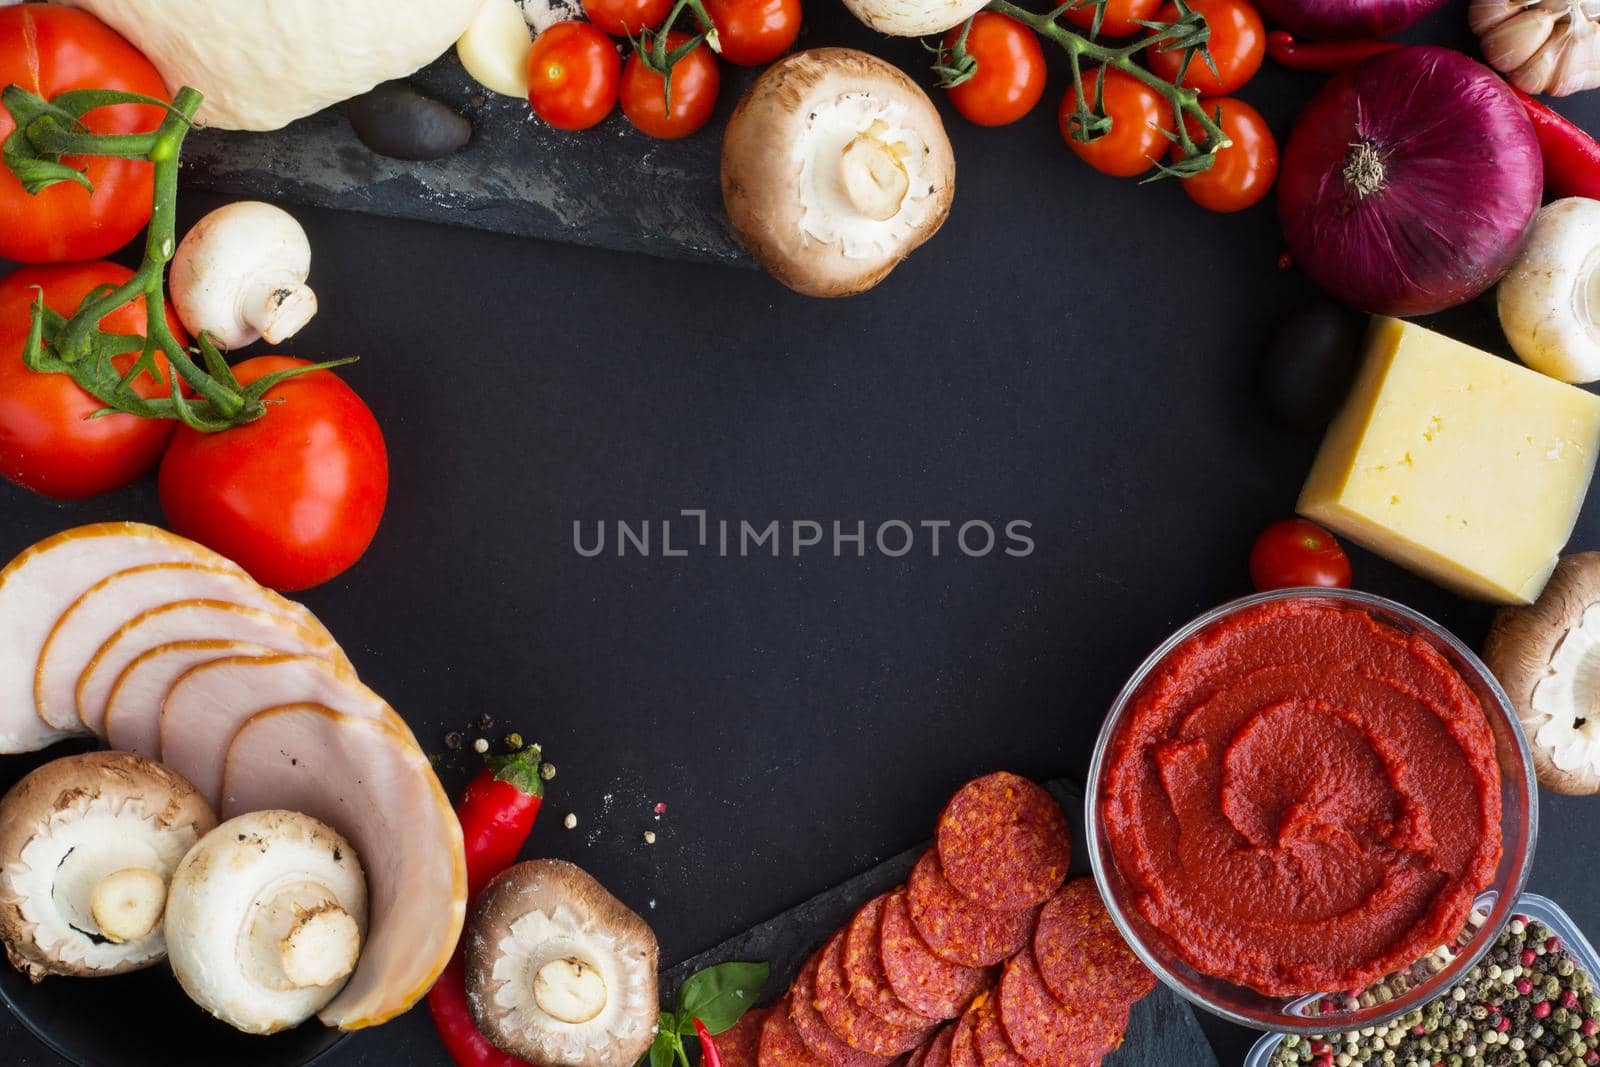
[[1071, 350]]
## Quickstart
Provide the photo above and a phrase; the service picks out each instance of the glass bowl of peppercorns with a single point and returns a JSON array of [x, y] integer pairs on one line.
[[1531, 1001]]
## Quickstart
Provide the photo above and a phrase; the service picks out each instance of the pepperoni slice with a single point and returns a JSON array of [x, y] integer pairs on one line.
[[963, 1053], [954, 927], [922, 981], [864, 970], [1045, 1032], [740, 1044], [1003, 842], [780, 1043], [814, 1032], [989, 1039], [1081, 956], [939, 1047], [859, 1028]]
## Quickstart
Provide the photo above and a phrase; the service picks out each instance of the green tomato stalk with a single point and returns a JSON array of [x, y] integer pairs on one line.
[[1188, 32], [48, 130]]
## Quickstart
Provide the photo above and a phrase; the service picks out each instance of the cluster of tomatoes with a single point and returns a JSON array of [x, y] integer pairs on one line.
[[294, 497], [576, 76], [1010, 78]]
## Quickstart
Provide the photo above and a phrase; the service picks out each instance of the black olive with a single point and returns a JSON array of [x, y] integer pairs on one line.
[[397, 121], [1310, 364]]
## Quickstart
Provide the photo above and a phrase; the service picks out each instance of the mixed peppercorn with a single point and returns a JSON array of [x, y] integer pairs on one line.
[[1526, 1002]]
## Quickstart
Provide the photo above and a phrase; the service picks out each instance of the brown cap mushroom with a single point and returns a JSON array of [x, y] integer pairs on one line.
[[265, 919], [835, 166], [87, 846], [1547, 657], [559, 971]]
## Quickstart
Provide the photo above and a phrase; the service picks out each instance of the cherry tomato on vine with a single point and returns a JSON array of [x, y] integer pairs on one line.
[[47, 50], [1121, 18], [754, 32], [573, 74], [1140, 118], [48, 442], [626, 18], [1296, 552], [1237, 43], [1010, 74], [1245, 170], [695, 81], [294, 497]]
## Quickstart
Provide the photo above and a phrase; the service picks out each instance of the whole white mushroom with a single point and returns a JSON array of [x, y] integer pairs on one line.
[[913, 18], [240, 275], [1550, 299], [265, 919]]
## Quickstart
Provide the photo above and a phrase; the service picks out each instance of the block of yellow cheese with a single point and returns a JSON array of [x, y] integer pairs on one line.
[[1463, 467]]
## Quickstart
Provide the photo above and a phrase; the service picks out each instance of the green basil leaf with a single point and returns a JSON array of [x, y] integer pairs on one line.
[[718, 996]]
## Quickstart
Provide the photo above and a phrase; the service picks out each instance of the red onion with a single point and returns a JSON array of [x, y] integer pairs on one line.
[[1409, 182], [1346, 18]]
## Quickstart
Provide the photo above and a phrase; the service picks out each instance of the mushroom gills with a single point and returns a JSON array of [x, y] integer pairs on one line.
[[861, 181], [1569, 695]]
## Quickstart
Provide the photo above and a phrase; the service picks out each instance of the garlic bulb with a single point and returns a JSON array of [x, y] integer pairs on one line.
[[1541, 46]]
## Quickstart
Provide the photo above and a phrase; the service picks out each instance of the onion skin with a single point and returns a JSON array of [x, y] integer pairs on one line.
[[1344, 19], [1454, 172]]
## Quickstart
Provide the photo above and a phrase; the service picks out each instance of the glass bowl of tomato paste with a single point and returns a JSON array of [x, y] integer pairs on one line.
[[1311, 810]]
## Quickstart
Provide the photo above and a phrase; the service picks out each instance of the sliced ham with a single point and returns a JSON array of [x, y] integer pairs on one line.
[[207, 705], [101, 611], [370, 782], [133, 710], [42, 583], [188, 620]]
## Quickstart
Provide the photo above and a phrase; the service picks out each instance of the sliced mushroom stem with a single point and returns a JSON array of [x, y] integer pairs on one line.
[[278, 306], [874, 177], [569, 990], [127, 904], [302, 939]]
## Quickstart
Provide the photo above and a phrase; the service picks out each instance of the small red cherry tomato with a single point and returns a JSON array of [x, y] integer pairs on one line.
[[573, 75], [1140, 120], [1010, 76], [753, 32], [626, 18], [695, 81], [1243, 172], [1297, 552], [1237, 42], [1122, 17]]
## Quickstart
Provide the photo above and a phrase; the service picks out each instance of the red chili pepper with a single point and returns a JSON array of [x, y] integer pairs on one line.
[[710, 1056], [496, 812], [1571, 157], [1326, 57]]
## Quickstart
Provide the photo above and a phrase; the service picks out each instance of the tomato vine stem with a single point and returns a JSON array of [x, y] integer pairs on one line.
[[45, 132]]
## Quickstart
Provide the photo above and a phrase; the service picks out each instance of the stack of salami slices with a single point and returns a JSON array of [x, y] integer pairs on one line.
[[983, 959]]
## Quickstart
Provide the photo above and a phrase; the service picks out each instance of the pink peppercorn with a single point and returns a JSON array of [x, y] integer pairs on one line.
[[1589, 1027], [1419, 1029], [1524, 987], [1569, 999], [1324, 1060], [1553, 945], [1318, 1048], [1529, 957], [1541, 1010], [1591, 1057], [1503, 1025]]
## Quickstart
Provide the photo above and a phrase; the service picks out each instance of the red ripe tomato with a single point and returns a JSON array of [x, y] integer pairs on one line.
[[1244, 171], [1120, 20], [626, 18], [294, 497], [1296, 552], [48, 442], [573, 73], [47, 50], [1140, 120], [1010, 75], [753, 32], [1237, 43], [695, 81]]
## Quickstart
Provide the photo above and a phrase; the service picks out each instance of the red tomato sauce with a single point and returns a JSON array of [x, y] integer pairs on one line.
[[1304, 799]]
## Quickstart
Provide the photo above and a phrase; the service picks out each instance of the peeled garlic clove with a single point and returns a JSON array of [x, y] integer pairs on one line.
[[495, 48], [1514, 42]]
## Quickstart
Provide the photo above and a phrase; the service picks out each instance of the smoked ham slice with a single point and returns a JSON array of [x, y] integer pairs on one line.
[[187, 620], [370, 782], [207, 705], [101, 611], [133, 710], [42, 583]]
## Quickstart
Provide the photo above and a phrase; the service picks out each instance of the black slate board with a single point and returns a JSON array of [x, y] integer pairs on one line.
[[1162, 1032], [610, 187]]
